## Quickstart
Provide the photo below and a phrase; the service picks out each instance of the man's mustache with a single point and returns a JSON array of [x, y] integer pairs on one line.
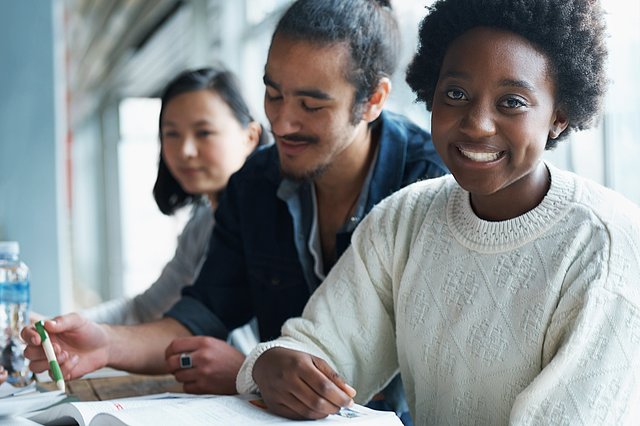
[[296, 137]]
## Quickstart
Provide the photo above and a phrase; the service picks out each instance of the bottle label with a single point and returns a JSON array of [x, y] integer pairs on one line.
[[14, 315], [14, 292]]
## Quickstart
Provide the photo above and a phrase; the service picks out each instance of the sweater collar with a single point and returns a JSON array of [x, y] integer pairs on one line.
[[485, 236]]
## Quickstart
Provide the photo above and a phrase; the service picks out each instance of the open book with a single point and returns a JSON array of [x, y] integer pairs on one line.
[[16, 400], [170, 408]]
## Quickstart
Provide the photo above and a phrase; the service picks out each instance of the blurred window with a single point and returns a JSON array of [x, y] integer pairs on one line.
[[149, 237], [608, 152], [258, 10]]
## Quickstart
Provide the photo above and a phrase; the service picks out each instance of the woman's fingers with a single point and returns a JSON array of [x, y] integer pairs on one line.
[[296, 382]]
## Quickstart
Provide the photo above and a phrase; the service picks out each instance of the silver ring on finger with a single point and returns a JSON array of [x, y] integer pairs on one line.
[[185, 360]]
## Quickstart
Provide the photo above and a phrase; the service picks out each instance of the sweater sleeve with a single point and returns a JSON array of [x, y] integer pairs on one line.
[[179, 272], [591, 356], [349, 320]]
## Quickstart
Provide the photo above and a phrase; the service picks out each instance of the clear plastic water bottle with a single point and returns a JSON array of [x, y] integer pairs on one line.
[[14, 312]]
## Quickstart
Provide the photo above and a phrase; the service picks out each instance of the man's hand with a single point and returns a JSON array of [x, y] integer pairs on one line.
[[215, 364], [81, 346], [300, 386]]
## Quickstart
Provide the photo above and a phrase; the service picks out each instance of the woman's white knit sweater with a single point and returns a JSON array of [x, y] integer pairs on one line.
[[530, 320]]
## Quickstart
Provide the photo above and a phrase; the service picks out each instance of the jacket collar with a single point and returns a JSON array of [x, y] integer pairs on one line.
[[392, 157], [389, 165]]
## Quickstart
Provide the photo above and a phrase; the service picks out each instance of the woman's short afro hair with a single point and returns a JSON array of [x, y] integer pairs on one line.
[[570, 32]]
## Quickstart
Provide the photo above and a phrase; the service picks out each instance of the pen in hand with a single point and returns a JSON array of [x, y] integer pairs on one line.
[[51, 355]]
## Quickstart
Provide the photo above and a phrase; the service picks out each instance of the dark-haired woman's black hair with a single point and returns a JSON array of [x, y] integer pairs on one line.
[[367, 27], [167, 192], [571, 33]]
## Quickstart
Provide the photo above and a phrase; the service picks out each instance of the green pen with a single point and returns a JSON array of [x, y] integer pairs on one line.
[[51, 355]]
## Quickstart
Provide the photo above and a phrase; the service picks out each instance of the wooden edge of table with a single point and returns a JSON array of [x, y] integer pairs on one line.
[[100, 389]]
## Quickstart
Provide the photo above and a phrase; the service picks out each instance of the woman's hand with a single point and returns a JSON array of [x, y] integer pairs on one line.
[[297, 385]]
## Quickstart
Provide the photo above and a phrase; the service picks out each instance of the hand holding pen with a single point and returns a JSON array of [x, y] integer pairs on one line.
[[80, 346], [56, 373], [298, 385]]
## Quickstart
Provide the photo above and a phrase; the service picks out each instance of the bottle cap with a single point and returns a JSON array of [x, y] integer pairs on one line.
[[10, 247]]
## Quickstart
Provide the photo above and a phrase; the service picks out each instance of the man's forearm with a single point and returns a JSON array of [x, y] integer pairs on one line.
[[141, 348]]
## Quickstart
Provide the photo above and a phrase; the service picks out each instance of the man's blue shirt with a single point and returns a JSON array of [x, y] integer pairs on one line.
[[259, 263]]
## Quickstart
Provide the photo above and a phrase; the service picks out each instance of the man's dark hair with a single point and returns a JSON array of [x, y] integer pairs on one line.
[[167, 192], [368, 27], [571, 33]]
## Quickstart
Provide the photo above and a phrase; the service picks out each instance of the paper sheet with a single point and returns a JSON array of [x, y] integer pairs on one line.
[[27, 402]]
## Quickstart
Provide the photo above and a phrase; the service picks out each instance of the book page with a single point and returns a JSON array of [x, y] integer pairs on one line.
[[239, 410], [32, 400], [7, 389], [169, 408], [84, 412]]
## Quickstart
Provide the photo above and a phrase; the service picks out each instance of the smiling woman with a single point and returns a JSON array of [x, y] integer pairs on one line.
[[493, 119]]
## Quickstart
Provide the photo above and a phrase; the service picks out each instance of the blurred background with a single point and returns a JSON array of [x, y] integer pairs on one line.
[[79, 81]]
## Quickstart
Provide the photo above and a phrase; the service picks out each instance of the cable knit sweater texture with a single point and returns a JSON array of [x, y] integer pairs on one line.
[[534, 320]]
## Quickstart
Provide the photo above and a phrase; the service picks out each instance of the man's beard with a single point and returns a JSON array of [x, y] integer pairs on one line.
[[305, 175]]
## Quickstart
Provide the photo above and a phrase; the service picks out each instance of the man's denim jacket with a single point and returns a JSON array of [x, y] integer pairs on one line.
[[252, 267]]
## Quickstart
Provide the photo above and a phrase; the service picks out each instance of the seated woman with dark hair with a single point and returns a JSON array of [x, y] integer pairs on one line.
[[206, 133]]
